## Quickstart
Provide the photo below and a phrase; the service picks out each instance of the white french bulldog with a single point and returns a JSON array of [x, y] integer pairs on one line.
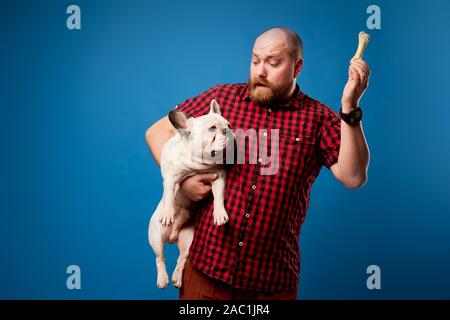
[[193, 149]]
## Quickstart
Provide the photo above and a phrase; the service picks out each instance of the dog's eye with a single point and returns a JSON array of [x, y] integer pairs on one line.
[[213, 128]]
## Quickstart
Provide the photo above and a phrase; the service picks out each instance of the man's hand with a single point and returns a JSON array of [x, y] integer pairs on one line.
[[197, 187], [358, 80]]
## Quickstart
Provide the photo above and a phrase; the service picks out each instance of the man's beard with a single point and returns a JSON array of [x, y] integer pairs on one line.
[[268, 93]]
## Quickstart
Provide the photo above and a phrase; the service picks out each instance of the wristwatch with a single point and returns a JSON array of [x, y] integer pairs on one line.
[[353, 117]]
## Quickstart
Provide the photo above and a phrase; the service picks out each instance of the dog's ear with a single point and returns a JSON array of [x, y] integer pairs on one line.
[[178, 119], [214, 107]]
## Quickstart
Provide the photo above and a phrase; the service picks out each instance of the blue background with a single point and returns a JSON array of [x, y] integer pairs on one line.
[[79, 183]]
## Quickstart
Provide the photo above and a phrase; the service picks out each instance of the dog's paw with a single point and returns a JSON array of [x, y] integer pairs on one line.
[[163, 280], [167, 219], [220, 217], [177, 278]]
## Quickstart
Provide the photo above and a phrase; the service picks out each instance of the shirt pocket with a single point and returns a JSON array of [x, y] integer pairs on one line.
[[296, 150]]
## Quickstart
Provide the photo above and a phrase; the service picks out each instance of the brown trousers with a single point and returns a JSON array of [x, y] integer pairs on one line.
[[198, 286]]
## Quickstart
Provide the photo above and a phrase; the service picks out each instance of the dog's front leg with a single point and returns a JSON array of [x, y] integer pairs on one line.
[[218, 190], [170, 189]]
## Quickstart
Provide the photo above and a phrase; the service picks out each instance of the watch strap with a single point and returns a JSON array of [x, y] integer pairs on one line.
[[352, 117]]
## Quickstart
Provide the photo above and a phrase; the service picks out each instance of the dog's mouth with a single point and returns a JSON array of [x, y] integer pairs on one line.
[[219, 144]]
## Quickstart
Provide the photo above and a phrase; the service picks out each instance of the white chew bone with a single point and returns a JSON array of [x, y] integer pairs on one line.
[[363, 40]]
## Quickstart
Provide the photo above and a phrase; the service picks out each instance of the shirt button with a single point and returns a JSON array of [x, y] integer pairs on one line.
[[297, 139], [265, 134], [259, 160], [270, 110], [247, 215], [253, 187], [241, 244]]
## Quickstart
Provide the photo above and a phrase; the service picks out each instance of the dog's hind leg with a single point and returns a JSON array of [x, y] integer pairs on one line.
[[163, 278], [184, 241], [157, 243]]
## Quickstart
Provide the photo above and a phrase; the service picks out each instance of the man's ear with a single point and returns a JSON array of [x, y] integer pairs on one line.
[[214, 107], [298, 67], [180, 121]]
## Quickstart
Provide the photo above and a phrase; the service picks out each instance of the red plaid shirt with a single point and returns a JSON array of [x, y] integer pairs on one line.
[[258, 247]]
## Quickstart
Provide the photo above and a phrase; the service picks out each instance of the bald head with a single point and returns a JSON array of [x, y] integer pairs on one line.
[[276, 64], [283, 38]]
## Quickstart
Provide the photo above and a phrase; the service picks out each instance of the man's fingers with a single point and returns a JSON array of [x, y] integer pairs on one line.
[[361, 74], [362, 65], [206, 188], [354, 74], [206, 177]]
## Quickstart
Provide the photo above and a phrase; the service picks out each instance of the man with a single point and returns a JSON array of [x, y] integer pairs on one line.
[[256, 254]]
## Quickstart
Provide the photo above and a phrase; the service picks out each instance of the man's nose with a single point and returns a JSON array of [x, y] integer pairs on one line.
[[261, 71]]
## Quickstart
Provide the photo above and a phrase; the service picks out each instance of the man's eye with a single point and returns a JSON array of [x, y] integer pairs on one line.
[[255, 62], [276, 64]]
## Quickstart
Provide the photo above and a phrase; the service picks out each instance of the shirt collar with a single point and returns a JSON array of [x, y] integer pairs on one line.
[[296, 101]]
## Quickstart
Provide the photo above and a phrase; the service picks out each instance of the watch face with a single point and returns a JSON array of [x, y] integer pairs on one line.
[[352, 117]]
